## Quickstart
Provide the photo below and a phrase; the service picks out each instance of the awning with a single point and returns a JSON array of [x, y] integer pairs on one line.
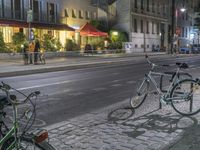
[[89, 30], [23, 24]]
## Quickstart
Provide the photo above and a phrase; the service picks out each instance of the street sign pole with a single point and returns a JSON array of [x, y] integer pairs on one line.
[[29, 20]]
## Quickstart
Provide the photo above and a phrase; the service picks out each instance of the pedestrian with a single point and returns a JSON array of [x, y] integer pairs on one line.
[[31, 52], [36, 50], [25, 53]]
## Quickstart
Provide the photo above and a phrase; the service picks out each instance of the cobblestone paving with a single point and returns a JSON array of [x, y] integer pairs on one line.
[[120, 128]]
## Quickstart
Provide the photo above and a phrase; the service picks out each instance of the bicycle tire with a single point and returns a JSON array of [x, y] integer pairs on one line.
[[185, 97], [137, 99]]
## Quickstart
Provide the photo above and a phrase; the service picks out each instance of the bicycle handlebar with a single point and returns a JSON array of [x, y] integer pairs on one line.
[[153, 64], [13, 99]]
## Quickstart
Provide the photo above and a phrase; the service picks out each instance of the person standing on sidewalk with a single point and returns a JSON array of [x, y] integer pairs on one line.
[[36, 50], [31, 52], [25, 53]]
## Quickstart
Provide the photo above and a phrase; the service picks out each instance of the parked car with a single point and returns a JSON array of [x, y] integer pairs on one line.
[[184, 50], [196, 48]]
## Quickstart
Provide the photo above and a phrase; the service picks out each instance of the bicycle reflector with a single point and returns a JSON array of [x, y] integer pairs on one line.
[[41, 136]]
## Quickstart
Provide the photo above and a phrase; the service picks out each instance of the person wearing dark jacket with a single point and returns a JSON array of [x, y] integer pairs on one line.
[[36, 50]]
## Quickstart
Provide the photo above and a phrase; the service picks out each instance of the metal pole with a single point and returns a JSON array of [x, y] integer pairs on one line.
[[172, 27]]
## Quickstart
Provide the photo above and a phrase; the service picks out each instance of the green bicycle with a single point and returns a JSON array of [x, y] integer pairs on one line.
[[13, 138]]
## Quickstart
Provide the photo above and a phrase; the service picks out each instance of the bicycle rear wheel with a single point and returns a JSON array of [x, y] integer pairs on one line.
[[140, 95], [185, 97]]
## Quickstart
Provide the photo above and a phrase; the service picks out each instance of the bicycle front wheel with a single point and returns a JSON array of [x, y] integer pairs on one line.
[[29, 145], [140, 95], [185, 97]]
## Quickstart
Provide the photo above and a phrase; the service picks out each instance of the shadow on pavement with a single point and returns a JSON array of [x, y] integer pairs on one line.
[[153, 122]]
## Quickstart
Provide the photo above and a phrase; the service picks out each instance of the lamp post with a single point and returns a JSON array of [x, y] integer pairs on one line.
[[174, 22], [172, 26], [30, 19]]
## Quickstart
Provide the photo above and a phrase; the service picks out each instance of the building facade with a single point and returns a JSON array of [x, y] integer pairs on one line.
[[40, 16], [57, 18], [149, 23]]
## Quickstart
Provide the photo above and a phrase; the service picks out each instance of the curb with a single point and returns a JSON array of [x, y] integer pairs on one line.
[[79, 66]]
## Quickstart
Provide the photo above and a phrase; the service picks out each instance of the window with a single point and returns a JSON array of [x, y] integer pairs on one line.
[[158, 8], [87, 15], [135, 4], [186, 17], [164, 9], [153, 6], [153, 31], [15, 9], [147, 25], [141, 26], [182, 31], [73, 13], [142, 4], [2, 8], [80, 14], [36, 10], [186, 32], [135, 25], [94, 15], [147, 5], [158, 28], [66, 12], [51, 12]]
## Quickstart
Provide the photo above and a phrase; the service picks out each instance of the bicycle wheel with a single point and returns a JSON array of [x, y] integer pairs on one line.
[[185, 97], [27, 143], [137, 99]]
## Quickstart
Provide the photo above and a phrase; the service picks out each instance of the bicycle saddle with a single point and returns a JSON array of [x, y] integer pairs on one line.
[[182, 65]]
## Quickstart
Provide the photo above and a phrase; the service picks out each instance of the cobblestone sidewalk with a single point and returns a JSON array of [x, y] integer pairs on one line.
[[120, 128]]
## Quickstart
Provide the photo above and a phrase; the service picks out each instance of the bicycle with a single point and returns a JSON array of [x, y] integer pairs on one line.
[[12, 138], [41, 57], [182, 94]]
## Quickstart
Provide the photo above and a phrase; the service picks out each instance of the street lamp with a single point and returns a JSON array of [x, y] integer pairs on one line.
[[174, 24]]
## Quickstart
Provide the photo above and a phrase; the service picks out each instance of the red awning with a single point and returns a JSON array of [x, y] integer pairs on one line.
[[89, 30], [23, 24]]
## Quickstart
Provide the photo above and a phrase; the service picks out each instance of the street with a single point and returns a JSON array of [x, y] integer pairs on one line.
[[70, 93]]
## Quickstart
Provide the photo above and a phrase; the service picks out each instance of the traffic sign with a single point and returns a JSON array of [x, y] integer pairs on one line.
[[30, 16]]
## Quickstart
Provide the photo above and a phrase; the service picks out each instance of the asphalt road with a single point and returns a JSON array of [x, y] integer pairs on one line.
[[70, 93]]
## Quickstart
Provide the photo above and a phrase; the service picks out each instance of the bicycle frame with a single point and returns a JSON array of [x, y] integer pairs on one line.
[[11, 132], [150, 78]]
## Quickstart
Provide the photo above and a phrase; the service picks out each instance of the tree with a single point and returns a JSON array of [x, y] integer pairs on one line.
[[99, 25], [18, 39], [70, 45], [3, 47], [51, 44]]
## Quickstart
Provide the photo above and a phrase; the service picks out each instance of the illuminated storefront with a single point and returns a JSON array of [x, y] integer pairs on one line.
[[59, 31]]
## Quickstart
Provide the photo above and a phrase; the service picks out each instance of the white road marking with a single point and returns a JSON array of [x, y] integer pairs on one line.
[[116, 85], [116, 73], [76, 93], [115, 81], [99, 89], [131, 82], [60, 92], [43, 85]]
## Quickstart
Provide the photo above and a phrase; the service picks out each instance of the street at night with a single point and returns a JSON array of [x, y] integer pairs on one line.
[[75, 94], [99, 74]]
